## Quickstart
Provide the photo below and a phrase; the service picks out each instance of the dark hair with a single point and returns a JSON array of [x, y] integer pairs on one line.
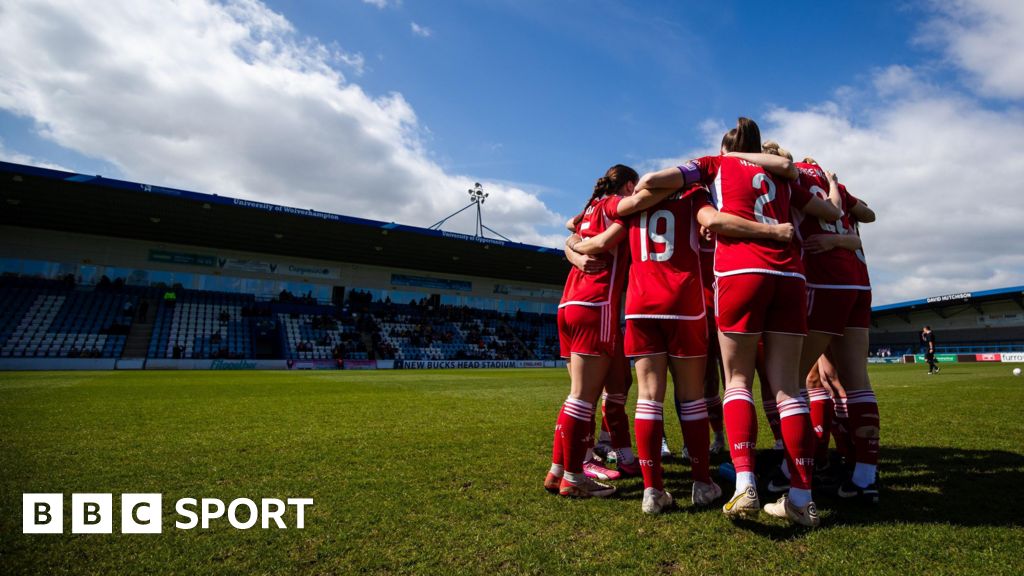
[[745, 137], [614, 179], [729, 140]]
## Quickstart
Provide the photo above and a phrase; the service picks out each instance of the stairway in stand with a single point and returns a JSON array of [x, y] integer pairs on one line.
[[137, 344]]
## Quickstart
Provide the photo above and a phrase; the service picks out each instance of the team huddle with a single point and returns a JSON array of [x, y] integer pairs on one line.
[[743, 262]]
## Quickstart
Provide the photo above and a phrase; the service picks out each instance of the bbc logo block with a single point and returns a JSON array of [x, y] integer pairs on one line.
[[42, 513], [92, 513]]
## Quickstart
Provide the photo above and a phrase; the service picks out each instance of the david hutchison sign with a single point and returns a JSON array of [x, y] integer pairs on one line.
[[949, 297]]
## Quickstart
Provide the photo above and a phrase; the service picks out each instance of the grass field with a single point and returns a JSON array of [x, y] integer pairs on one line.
[[440, 472]]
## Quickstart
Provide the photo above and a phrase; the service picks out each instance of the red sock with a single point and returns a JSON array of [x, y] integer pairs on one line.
[[771, 413], [714, 405], [577, 424], [740, 427], [649, 430], [606, 432], [557, 454], [615, 421], [591, 436], [693, 417], [841, 427], [864, 425], [799, 439], [821, 420]]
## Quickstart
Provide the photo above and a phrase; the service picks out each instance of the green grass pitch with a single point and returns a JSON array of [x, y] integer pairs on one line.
[[439, 472]]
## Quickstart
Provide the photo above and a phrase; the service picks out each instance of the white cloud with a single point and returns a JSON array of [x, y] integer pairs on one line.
[[943, 175], [355, 61], [942, 171], [421, 31], [382, 4], [226, 98], [985, 38]]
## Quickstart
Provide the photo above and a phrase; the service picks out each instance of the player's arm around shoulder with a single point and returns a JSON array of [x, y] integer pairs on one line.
[[737, 227], [603, 242]]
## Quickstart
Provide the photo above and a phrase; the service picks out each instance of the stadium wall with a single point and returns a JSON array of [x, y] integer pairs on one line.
[[205, 268], [1000, 314]]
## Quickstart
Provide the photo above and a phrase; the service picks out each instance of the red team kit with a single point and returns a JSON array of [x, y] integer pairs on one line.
[[687, 287]]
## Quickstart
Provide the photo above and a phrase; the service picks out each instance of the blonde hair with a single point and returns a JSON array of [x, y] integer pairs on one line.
[[772, 147], [809, 160]]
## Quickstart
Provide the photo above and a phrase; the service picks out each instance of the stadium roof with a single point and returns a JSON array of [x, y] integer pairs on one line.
[[1015, 293], [51, 199]]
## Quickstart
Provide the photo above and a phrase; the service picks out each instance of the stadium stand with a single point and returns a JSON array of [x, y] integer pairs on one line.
[[981, 322], [217, 278], [54, 319], [539, 332], [322, 335], [202, 325], [427, 332], [47, 318]]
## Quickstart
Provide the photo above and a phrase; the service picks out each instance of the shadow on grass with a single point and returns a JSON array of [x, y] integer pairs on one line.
[[942, 485], [919, 485]]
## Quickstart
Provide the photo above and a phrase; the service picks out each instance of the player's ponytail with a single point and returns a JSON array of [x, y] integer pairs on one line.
[[809, 160], [613, 180], [772, 147], [747, 137]]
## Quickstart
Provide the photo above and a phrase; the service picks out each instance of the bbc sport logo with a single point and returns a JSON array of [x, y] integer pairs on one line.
[[143, 513]]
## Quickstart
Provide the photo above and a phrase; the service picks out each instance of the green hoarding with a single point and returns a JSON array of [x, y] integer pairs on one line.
[[940, 358], [182, 258]]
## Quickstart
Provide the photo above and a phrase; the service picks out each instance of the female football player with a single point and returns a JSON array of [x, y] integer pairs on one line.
[[838, 317], [588, 328], [665, 323], [760, 291]]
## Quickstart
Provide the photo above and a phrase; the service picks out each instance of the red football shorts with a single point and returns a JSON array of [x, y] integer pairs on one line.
[[587, 330], [714, 350], [678, 338], [709, 299], [832, 310], [755, 303]]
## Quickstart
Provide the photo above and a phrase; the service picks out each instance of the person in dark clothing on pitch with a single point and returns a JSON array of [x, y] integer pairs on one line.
[[928, 346]]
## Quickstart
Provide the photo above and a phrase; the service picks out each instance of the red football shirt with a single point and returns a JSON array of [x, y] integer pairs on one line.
[[605, 286], [707, 261], [854, 228], [664, 272], [835, 269], [746, 190]]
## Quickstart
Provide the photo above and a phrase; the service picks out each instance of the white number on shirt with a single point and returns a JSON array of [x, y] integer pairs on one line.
[[835, 227], [649, 233], [764, 199]]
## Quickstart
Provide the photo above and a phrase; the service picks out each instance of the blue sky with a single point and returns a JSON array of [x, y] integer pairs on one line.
[[551, 93], [389, 110]]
